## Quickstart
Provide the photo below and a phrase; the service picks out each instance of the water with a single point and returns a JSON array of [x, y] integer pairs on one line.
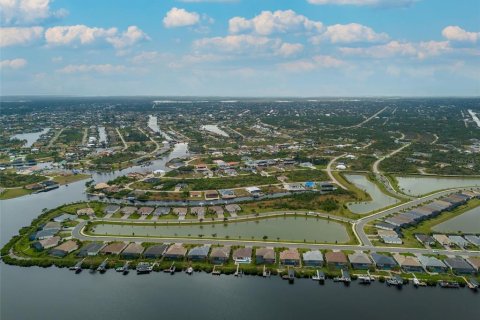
[[468, 222], [285, 228], [31, 137], [379, 199], [53, 293], [102, 133], [214, 129], [416, 186], [153, 124]]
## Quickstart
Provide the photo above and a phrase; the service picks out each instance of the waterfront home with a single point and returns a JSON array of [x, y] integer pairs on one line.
[[198, 211], [196, 194], [290, 257], [161, 211], [175, 252], [218, 211], [85, 212], [114, 248], [227, 193], [474, 262], [63, 218], [475, 240], [459, 241], [432, 264], [392, 240], [128, 210], [180, 212], [383, 262], [90, 249], [265, 255], [44, 234], [145, 211], [254, 191], [64, 249], [408, 263], [232, 209], [46, 243], [52, 225], [220, 255], [336, 259], [242, 255], [425, 239], [199, 253], [202, 167], [387, 233], [442, 239], [385, 226], [132, 251], [111, 209], [293, 187], [211, 195], [459, 265], [313, 258], [155, 251], [360, 260]]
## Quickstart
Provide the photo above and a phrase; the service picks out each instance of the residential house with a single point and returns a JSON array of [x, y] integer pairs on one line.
[[265, 256], [220, 255], [85, 212], [90, 249], [474, 262], [132, 251], [290, 257], [114, 248], [145, 211], [175, 252], [64, 249], [360, 260], [425, 239], [383, 262], [242, 255], [313, 258], [459, 265], [46, 243], [111, 209], [336, 259], [155, 251], [408, 263], [199, 253], [432, 264]]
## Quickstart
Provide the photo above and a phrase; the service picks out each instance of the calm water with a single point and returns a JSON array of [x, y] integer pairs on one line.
[[468, 222], [416, 186], [37, 293], [285, 228], [214, 129], [102, 135], [379, 199], [52, 293], [31, 137], [153, 124]]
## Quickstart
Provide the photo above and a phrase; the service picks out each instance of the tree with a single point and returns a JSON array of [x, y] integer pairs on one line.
[[265, 237]]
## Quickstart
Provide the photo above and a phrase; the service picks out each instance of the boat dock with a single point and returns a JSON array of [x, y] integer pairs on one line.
[[124, 268], [472, 283], [345, 277], [171, 270], [418, 283], [216, 272], [366, 279], [238, 272], [103, 266], [395, 281], [78, 266], [144, 268], [319, 276], [265, 273]]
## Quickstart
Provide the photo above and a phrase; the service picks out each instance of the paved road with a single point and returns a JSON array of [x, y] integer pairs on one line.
[[77, 233], [125, 146], [366, 120], [359, 225], [330, 174]]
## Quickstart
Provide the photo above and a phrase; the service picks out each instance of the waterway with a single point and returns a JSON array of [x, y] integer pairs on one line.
[[214, 129], [417, 186], [30, 137], [102, 134], [153, 124], [285, 228], [468, 222], [379, 199], [53, 293]]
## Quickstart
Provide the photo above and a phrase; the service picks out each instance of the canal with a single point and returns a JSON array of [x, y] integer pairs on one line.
[[417, 186]]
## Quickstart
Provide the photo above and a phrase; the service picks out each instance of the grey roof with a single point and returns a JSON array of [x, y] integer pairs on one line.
[[313, 255], [220, 252], [381, 259], [93, 247], [46, 233], [458, 263], [112, 208], [133, 248], [158, 249], [64, 217], [427, 261], [459, 241], [161, 211], [360, 258], [473, 239], [199, 251]]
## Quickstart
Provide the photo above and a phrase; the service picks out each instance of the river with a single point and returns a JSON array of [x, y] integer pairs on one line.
[[30, 137], [53, 293]]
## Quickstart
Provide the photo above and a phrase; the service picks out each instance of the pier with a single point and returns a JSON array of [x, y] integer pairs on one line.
[[78, 266], [103, 266]]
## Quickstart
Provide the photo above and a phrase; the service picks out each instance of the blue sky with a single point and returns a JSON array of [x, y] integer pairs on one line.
[[240, 48]]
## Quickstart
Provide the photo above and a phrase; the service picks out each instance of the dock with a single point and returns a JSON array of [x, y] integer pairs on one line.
[[170, 270], [103, 266], [238, 272], [216, 272], [123, 269], [265, 273], [395, 281], [418, 283], [345, 277], [290, 276], [366, 279], [472, 283], [319, 276], [144, 268], [78, 266]]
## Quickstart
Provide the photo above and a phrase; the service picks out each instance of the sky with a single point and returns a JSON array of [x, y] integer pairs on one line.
[[240, 48]]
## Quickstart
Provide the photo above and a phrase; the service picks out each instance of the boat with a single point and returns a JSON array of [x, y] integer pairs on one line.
[[189, 270], [418, 283], [345, 277], [473, 284], [170, 270], [449, 284], [144, 268], [103, 266], [124, 268], [365, 279], [395, 281], [290, 276], [319, 276], [77, 267]]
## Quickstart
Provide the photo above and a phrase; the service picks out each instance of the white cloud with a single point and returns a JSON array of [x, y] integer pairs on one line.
[[349, 33], [27, 11], [145, 57], [455, 33], [19, 36], [268, 22], [93, 68], [395, 48], [237, 43], [13, 63], [376, 3], [180, 18], [316, 62], [289, 49], [84, 35]]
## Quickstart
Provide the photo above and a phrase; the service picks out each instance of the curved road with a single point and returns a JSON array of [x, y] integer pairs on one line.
[[329, 171]]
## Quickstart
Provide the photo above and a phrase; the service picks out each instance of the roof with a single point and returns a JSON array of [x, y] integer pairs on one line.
[[335, 257], [87, 211], [458, 263], [114, 248], [128, 210], [407, 261], [50, 242], [290, 254], [220, 252], [428, 261], [67, 246], [181, 210], [133, 248], [474, 262], [145, 210], [91, 247], [266, 253], [199, 251], [52, 225], [157, 249], [313, 255], [359, 258], [197, 210], [112, 208], [63, 217], [242, 253], [232, 207], [458, 240], [381, 259], [176, 249]]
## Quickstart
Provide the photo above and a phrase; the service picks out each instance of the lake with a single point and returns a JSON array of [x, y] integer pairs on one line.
[[416, 186], [214, 129], [468, 222], [286, 228], [30, 137], [379, 199]]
